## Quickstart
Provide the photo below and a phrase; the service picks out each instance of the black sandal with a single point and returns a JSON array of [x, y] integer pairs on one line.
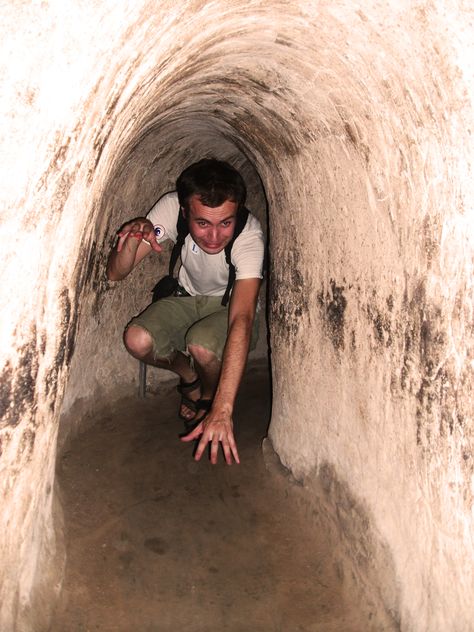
[[184, 388], [200, 404]]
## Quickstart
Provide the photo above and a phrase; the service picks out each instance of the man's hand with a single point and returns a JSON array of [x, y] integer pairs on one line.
[[136, 241], [215, 428], [139, 229]]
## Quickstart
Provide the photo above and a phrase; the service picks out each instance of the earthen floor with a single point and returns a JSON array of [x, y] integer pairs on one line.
[[159, 543]]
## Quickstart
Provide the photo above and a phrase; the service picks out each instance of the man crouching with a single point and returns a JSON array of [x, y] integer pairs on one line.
[[194, 332]]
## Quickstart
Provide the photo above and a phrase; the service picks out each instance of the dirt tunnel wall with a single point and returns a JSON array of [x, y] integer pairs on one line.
[[355, 122]]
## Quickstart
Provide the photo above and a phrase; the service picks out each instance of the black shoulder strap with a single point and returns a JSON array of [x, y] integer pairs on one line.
[[242, 216], [182, 230]]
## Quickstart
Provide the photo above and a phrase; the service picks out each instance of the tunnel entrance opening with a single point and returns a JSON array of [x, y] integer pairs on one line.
[[145, 168]]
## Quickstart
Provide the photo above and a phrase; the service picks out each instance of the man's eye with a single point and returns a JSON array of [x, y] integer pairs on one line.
[[226, 223], [202, 224]]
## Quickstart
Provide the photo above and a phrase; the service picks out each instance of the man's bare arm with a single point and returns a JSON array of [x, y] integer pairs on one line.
[[136, 240], [241, 316], [217, 427]]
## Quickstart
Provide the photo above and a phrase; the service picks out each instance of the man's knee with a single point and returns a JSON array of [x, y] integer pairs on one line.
[[202, 355], [205, 340], [140, 344], [138, 341]]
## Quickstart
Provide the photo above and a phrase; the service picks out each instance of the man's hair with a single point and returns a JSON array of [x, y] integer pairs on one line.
[[213, 181]]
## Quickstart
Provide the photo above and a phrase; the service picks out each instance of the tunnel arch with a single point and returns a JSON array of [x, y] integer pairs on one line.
[[358, 123], [225, 93]]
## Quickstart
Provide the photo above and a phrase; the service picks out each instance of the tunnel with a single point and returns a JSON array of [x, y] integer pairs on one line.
[[352, 126]]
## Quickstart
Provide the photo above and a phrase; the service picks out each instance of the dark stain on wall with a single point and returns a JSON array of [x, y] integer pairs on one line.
[[353, 341], [431, 233], [272, 140], [333, 305], [434, 395], [57, 161], [380, 320], [288, 296], [259, 124], [6, 394], [56, 169], [100, 141], [26, 374], [409, 329], [68, 330], [354, 137], [27, 443], [18, 384], [431, 372], [96, 276]]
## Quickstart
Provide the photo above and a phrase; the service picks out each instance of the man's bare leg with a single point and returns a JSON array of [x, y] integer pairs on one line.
[[139, 344], [208, 368]]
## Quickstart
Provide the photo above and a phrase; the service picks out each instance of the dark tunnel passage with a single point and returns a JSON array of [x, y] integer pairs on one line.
[[352, 130]]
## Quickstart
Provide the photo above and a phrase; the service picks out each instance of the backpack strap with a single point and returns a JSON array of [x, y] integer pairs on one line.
[[183, 230], [242, 216]]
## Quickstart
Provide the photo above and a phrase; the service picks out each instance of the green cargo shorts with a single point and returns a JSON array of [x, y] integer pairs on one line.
[[176, 322]]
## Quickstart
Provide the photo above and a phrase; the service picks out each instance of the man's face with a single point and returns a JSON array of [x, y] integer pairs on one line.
[[211, 228]]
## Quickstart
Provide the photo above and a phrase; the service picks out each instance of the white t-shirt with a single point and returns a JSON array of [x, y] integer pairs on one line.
[[201, 273]]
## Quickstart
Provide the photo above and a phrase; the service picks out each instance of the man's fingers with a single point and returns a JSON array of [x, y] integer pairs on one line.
[[214, 436], [148, 236], [133, 228], [201, 447], [122, 238], [214, 449], [230, 449], [148, 232], [234, 450], [141, 231], [151, 241], [194, 434], [129, 230], [227, 453]]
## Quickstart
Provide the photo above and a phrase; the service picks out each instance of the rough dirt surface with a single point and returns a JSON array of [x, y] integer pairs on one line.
[[157, 542]]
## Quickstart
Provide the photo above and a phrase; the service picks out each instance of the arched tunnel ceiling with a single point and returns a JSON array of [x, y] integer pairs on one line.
[[276, 94], [263, 84]]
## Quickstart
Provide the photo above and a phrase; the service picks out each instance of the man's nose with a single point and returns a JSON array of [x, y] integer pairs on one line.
[[214, 233]]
